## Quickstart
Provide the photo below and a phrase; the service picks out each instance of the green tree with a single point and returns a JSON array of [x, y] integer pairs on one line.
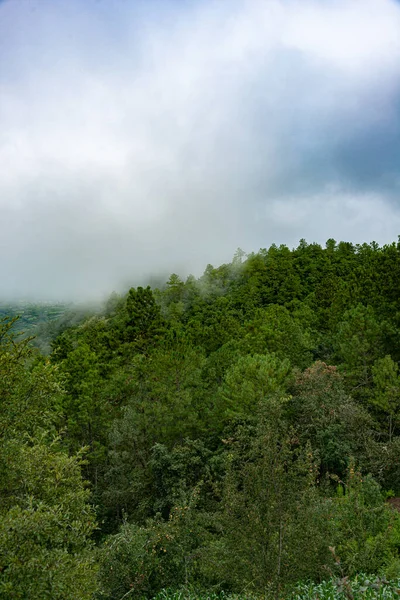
[[359, 343], [214, 324], [139, 561], [46, 520], [360, 526], [86, 410], [30, 393], [143, 325], [275, 330], [326, 416], [177, 472], [162, 403], [46, 523], [250, 381], [386, 378], [271, 518]]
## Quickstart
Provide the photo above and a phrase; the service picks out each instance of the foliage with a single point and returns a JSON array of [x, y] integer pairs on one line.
[[361, 587], [139, 560], [250, 380], [385, 373], [362, 528], [271, 514], [326, 416], [239, 432], [46, 521]]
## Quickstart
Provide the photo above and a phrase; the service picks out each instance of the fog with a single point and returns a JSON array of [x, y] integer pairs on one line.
[[143, 138]]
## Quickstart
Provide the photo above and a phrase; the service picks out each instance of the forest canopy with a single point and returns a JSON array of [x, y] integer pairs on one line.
[[236, 431]]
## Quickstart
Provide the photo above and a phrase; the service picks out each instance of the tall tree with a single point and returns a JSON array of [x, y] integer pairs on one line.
[[386, 378], [46, 521]]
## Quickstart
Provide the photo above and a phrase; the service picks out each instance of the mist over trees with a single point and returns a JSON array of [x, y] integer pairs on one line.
[[238, 432]]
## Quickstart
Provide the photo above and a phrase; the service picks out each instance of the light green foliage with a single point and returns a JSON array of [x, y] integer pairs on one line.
[[360, 587], [45, 517], [361, 526], [45, 525], [250, 381], [188, 594]]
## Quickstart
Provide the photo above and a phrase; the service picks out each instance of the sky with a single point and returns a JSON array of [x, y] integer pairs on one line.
[[140, 138]]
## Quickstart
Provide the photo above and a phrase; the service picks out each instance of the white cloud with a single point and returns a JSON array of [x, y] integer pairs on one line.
[[356, 36], [140, 141]]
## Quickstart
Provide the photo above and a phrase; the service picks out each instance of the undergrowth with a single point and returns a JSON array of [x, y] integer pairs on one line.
[[361, 587]]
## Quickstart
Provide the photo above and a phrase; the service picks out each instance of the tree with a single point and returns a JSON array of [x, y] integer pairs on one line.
[[359, 342], [250, 381], [328, 418], [86, 411], [143, 324], [162, 403], [271, 519], [386, 378], [30, 393], [275, 330], [360, 526], [214, 324], [46, 521]]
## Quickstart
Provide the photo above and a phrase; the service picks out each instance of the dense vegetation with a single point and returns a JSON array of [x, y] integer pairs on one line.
[[234, 434]]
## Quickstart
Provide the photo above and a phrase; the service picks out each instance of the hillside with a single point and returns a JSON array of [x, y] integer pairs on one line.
[[32, 315], [241, 431]]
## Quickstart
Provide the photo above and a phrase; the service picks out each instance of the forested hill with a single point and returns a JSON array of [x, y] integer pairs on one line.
[[32, 314], [43, 321], [241, 431]]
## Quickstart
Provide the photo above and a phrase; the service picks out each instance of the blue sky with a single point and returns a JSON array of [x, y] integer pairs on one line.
[[141, 138]]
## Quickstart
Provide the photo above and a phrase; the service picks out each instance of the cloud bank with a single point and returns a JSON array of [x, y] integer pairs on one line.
[[141, 138]]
